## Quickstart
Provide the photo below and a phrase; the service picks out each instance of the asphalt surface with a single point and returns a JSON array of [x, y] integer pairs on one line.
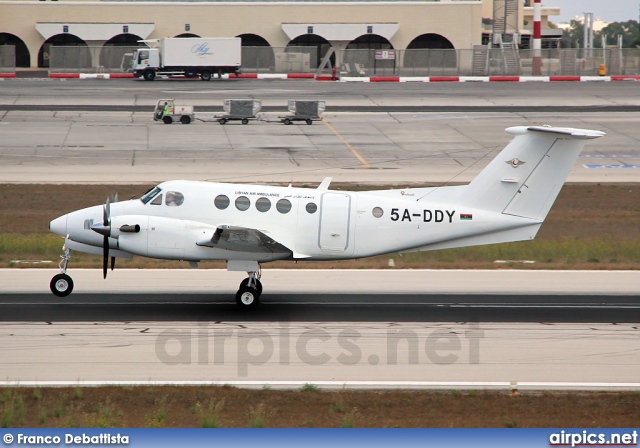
[[101, 131], [360, 109], [321, 307]]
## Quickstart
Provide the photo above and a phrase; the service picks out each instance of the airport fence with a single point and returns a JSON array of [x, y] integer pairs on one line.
[[117, 59], [367, 62], [106, 59], [491, 62], [7, 59]]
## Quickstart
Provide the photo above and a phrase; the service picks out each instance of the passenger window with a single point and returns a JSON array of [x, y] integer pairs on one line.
[[157, 200], [377, 212], [174, 198], [243, 203], [263, 205], [221, 202], [283, 206], [311, 208]]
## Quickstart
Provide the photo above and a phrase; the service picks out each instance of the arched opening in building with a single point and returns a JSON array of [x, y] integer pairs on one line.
[[117, 52], [316, 46], [253, 40], [360, 57], [23, 57], [430, 40], [63, 59], [187, 35], [370, 42], [257, 54], [430, 54]]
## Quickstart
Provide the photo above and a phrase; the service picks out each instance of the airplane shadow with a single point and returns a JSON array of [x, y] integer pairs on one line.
[[319, 308]]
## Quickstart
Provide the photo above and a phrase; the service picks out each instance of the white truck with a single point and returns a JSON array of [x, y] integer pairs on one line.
[[186, 56]]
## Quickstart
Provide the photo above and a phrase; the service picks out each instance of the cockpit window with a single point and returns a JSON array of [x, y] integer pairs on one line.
[[157, 200], [174, 198], [150, 194]]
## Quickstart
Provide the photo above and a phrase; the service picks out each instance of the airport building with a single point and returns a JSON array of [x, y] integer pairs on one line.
[[33, 27]]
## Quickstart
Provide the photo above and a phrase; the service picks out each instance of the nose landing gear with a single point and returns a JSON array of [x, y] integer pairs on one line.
[[61, 284]]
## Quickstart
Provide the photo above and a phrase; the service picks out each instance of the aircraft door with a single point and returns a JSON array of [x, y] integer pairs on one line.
[[335, 211]]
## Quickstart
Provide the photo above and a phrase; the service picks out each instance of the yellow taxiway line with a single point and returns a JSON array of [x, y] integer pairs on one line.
[[355, 153]]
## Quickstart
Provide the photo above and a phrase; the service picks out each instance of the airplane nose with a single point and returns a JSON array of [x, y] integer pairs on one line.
[[59, 226]]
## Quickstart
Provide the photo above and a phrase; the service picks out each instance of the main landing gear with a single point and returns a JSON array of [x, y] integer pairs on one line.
[[61, 284], [248, 295]]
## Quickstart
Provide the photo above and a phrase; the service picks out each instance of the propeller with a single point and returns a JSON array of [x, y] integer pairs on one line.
[[106, 213], [104, 228]]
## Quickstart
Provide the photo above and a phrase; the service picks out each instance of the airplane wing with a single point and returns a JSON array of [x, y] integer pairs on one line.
[[242, 239]]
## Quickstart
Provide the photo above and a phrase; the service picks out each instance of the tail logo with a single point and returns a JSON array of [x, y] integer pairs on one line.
[[515, 163]]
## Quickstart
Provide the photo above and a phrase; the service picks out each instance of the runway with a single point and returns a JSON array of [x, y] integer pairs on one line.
[[313, 295], [427, 328]]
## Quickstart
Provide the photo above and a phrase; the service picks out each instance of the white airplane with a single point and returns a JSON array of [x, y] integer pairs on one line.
[[247, 225]]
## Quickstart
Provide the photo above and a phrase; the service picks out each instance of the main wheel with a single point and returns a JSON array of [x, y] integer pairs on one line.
[[247, 298], [61, 285], [149, 75], [287, 121], [245, 120], [309, 121], [167, 119], [185, 119], [222, 120], [245, 283], [205, 75]]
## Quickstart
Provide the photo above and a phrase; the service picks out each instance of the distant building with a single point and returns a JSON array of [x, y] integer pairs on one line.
[[598, 24], [551, 37], [34, 26]]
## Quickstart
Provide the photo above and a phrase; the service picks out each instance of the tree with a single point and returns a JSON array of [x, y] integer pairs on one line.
[[629, 30], [574, 35]]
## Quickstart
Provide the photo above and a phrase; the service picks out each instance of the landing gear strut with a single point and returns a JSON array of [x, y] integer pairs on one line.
[[248, 295], [61, 284]]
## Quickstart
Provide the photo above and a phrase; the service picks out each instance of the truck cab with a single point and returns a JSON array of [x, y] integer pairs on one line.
[[145, 62]]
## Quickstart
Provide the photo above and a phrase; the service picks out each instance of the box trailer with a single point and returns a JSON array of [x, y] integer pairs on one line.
[[184, 56]]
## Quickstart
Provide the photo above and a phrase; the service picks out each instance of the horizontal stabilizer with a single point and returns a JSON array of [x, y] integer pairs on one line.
[[575, 133]]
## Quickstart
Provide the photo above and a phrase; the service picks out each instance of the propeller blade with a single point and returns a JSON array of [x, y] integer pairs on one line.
[[106, 231], [105, 256], [106, 213], [115, 198], [113, 263]]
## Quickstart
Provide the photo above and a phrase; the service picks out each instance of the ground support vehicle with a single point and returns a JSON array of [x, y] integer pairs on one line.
[[179, 56], [168, 112]]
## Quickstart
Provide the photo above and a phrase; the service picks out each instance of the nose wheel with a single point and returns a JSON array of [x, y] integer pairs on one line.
[[248, 295], [61, 284]]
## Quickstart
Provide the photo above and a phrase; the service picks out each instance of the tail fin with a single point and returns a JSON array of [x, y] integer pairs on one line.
[[526, 177]]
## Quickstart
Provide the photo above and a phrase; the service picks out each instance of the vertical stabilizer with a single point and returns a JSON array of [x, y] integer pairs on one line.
[[526, 177]]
